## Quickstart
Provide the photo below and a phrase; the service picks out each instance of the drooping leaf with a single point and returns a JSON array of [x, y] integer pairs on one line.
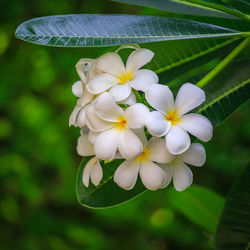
[[199, 204], [107, 30], [107, 194], [182, 7], [226, 92], [233, 231]]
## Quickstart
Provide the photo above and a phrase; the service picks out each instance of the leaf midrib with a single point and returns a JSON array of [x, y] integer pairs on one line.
[[158, 36]]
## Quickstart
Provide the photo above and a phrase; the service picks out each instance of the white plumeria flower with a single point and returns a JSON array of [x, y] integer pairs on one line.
[[181, 173], [79, 90], [92, 169], [170, 119], [86, 69], [114, 125], [152, 176], [118, 79]]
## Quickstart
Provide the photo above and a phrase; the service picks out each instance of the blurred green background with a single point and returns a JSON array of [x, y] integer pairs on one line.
[[38, 160]]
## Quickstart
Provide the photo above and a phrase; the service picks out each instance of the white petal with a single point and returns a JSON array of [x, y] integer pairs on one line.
[[92, 70], [107, 109], [136, 115], [126, 174], [188, 98], [182, 176], [85, 98], [84, 147], [96, 174], [92, 136], [73, 116], [87, 171], [177, 140], [160, 98], [158, 151], [77, 88], [195, 155], [156, 124], [101, 83], [106, 144], [143, 79], [96, 124], [197, 125], [138, 58], [168, 170], [130, 100], [120, 91], [81, 118], [129, 144], [152, 176], [111, 63], [81, 68], [141, 135]]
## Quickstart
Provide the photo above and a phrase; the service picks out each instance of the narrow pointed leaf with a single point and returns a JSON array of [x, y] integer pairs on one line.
[[226, 92], [169, 54], [182, 7], [106, 30], [233, 231]]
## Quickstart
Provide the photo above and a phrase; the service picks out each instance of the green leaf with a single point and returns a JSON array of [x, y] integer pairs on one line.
[[217, 5], [198, 204], [197, 66], [172, 54], [233, 231], [107, 30], [226, 92], [182, 7], [107, 194]]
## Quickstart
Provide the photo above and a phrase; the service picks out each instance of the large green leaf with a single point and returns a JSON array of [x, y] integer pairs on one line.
[[106, 30], [199, 204], [107, 193], [227, 92], [172, 54], [182, 7], [233, 231]]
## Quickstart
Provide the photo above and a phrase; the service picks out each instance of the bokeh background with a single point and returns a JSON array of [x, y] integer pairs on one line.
[[38, 160]]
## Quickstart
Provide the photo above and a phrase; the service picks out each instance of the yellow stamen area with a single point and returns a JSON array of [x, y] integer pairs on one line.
[[125, 77], [143, 156], [122, 123], [173, 117]]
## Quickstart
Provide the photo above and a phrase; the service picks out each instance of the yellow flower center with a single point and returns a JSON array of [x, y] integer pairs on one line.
[[122, 123], [125, 77], [143, 156], [173, 117]]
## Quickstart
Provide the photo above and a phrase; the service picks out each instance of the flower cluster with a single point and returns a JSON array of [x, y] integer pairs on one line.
[[124, 113]]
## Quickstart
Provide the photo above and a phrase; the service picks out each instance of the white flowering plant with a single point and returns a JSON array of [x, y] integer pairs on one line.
[[144, 111], [124, 113]]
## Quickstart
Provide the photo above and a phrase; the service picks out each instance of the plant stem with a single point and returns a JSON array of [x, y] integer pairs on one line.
[[137, 95], [207, 78]]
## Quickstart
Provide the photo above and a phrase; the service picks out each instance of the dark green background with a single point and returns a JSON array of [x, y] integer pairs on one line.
[[38, 161]]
